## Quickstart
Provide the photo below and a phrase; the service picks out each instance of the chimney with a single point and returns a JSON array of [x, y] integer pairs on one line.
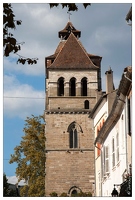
[[109, 81], [110, 90]]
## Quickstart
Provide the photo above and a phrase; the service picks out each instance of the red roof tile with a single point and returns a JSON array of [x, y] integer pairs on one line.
[[72, 55]]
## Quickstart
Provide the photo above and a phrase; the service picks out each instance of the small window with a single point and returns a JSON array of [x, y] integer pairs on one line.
[[74, 192], [86, 104]]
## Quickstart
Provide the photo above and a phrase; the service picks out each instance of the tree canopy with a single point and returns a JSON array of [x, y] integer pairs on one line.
[[10, 44], [6, 191], [70, 6], [30, 157]]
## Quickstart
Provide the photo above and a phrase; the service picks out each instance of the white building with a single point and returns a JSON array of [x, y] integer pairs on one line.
[[112, 141]]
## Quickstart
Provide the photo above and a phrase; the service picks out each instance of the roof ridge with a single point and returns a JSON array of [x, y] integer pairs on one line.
[[58, 52], [60, 43], [86, 53]]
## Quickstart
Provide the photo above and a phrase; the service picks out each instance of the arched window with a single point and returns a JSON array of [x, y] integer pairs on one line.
[[73, 138], [86, 104], [73, 191], [72, 87], [84, 87], [61, 86], [73, 130]]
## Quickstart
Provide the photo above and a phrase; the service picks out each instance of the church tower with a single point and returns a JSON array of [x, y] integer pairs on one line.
[[73, 84]]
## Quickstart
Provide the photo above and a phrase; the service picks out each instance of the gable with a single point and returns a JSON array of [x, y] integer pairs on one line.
[[72, 56]]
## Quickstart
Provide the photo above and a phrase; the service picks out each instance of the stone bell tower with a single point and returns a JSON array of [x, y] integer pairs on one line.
[[73, 82]]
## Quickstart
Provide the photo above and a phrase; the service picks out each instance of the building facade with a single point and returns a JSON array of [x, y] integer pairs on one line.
[[99, 115], [113, 141], [73, 86]]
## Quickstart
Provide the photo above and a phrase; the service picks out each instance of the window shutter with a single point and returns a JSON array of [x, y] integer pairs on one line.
[[107, 159]]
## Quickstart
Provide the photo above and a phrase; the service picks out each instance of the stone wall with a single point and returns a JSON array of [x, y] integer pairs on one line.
[[67, 167]]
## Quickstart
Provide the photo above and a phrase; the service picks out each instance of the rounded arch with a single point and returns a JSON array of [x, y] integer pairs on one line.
[[72, 86], [60, 86], [74, 190], [84, 86]]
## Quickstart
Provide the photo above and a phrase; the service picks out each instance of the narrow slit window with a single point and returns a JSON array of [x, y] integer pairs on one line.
[[73, 138]]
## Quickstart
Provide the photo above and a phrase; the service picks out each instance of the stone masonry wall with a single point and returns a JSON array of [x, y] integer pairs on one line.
[[67, 169], [73, 103]]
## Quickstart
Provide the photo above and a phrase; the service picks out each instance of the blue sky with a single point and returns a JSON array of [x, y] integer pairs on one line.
[[104, 32]]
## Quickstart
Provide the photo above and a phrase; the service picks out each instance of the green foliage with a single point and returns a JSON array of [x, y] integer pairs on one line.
[[10, 43], [81, 194], [64, 195], [70, 6], [6, 191], [30, 157], [5, 186], [53, 194]]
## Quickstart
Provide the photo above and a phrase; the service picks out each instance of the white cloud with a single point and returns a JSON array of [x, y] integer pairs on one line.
[[14, 180], [103, 34], [33, 70], [32, 101], [39, 32]]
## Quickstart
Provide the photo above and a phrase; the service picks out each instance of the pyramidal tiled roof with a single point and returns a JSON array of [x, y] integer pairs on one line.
[[72, 55]]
